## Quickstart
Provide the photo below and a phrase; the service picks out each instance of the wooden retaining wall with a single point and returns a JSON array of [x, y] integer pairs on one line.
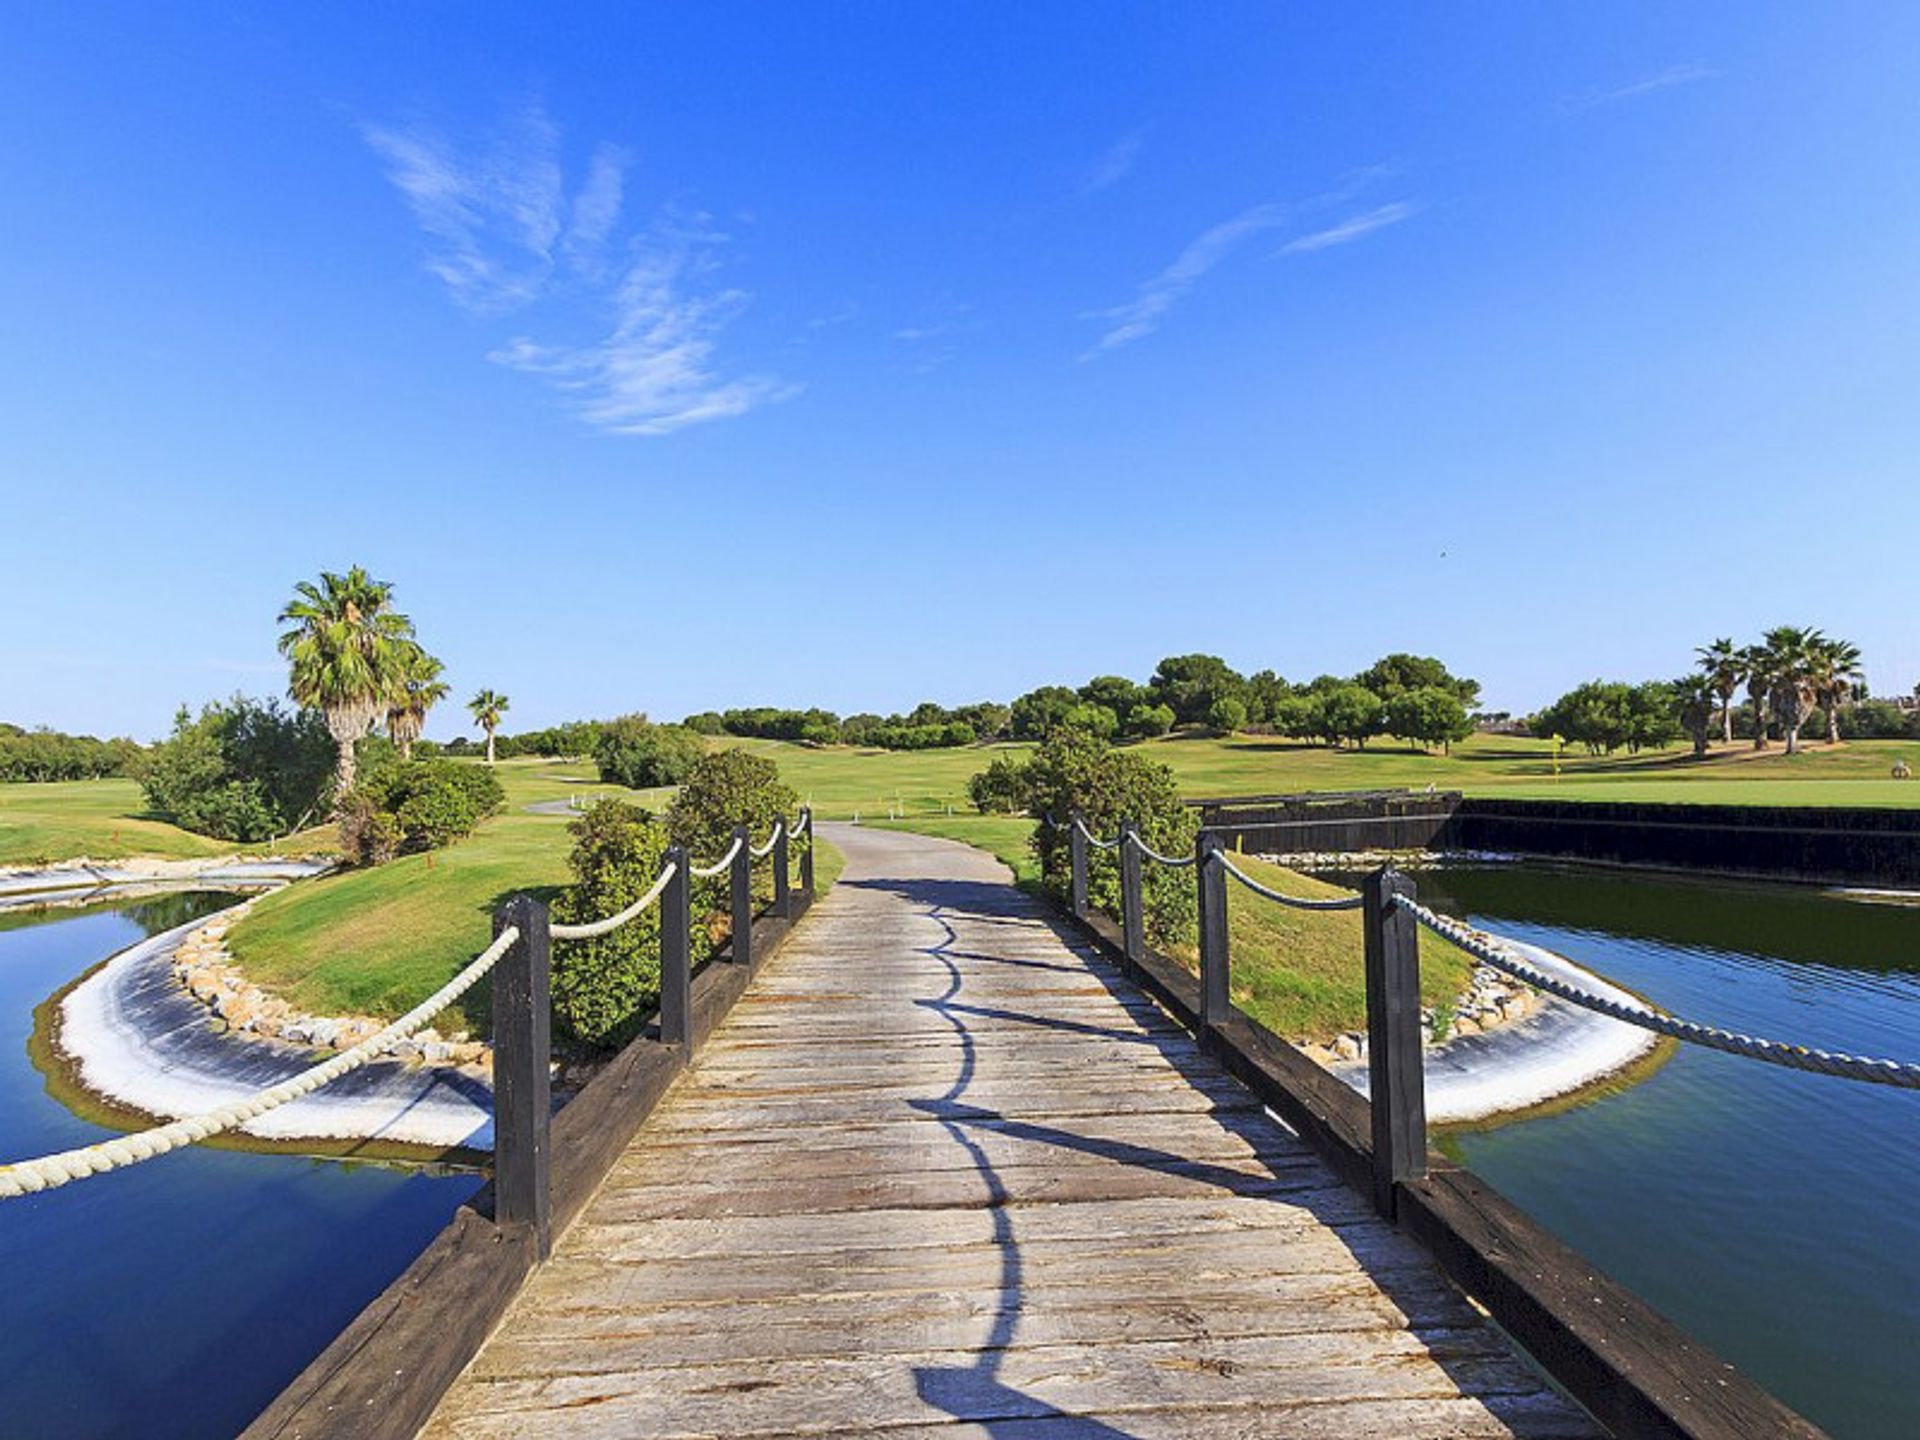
[[1835, 845]]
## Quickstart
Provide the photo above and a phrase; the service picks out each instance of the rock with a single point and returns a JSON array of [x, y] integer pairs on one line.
[[436, 1052], [1466, 1025], [324, 1032], [1346, 1047]]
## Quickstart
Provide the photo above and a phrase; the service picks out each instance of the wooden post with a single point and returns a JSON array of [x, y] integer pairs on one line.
[[676, 954], [782, 883], [1210, 879], [806, 855], [522, 1081], [1396, 1077], [1077, 863], [1132, 908], [740, 876]]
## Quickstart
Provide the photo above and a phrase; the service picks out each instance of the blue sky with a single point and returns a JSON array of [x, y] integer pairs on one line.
[[857, 354]]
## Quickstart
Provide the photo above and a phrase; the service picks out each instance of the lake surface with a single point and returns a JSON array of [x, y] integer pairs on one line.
[[177, 1297], [1773, 1214]]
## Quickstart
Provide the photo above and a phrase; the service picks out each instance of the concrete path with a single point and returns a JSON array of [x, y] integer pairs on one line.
[[940, 1174]]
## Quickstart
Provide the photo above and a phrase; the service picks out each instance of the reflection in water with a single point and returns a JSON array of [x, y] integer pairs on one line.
[[177, 1297], [1769, 1212]]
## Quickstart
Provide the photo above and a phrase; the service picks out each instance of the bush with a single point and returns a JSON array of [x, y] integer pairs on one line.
[[407, 806], [1144, 722], [245, 770], [604, 988], [1110, 787], [707, 722], [1227, 714], [634, 752], [1001, 788], [725, 789]]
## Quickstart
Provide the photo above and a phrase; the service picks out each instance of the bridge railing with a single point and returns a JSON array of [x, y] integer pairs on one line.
[[520, 964], [1638, 1373]]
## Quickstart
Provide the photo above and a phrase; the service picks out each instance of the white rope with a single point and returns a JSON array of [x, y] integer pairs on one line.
[[1345, 902], [1097, 844], [49, 1172], [761, 852], [1488, 948], [1159, 859], [721, 864], [588, 930]]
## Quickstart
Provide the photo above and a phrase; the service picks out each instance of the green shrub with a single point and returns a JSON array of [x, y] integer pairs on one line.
[[1001, 788], [406, 806], [1227, 714], [724, 789], [1144, 722], [634, 752], [605, 987], [245, 770], [1076, 773]]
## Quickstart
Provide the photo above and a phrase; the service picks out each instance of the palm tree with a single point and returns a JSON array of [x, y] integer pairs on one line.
[[1756, 673], [421, 688], [1794, 658], [346, 650], [487, 708], [1836, 672], [1722, 666]]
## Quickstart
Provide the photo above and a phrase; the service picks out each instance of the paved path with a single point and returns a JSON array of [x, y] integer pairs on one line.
[[940, 1175]]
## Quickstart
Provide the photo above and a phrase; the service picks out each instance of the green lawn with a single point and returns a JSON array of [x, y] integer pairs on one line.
[[842, 782], [375, 941], [1298, 972], [105, 820]]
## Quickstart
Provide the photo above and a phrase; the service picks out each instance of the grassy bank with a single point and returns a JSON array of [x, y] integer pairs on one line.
[[1298, 972], [375, 941], [842, 781], [106, 820]]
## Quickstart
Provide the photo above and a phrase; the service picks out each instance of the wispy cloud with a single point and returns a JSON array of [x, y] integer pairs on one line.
[[1142, 315], [509, 237], [1660, 80], [1115, 165], [1157, 296], [1350, 229]]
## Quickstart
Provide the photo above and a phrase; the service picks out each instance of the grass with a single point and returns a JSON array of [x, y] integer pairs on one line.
[[107, 820], [375, 941], [842, 782], [1298, 972]]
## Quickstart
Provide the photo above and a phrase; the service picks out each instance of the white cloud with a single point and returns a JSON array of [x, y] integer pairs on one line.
[[1660, 80], [1115, 165], [499, 214], [1142, 315], [1349, 229]]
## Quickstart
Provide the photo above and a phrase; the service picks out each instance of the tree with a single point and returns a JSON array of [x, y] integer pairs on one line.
[[1116, 692], [1350, 712], [1427, 715], [1698, 697], [1756, 673], [244, 770], [634, 752], [420, 689], [1227, 714], [1038, 713], [1596, 715], [1723, 665], [1189, 684], [1096, 720], [1793, 657], [1398, 673], [1836, 674], [1266, 692], [487, 707], [346, 652], [1145, 722]]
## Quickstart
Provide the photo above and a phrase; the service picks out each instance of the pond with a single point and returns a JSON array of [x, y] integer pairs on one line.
[[177, 1297], [1772, 1214]]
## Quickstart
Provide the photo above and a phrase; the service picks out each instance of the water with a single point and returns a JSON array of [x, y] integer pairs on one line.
[[175, 1298], [1775, 1215]]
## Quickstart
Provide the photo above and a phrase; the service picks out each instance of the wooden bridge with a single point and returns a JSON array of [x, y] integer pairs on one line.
[[951, 1164]]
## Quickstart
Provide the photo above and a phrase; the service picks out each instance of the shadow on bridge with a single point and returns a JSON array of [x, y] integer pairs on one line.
[[1285, 1174]]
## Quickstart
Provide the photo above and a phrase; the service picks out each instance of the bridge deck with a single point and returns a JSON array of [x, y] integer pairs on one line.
[[937, 1176]]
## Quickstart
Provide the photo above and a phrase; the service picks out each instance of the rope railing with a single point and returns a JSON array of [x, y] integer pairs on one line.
[[1095, 841], [760, 852], [49, 1172], [1154, 855], [592, 929], [707, 872], [1297, 902], [1489, 950]]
